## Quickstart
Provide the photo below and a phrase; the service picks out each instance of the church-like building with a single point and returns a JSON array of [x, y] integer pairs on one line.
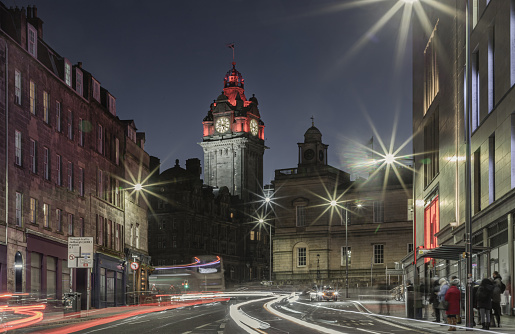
[[370, 221]]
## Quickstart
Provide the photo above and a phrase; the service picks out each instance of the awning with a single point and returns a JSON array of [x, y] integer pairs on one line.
[[449, 252]]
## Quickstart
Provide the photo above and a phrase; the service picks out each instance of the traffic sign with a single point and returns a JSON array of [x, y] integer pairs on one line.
[[80, 252], [134, 265]]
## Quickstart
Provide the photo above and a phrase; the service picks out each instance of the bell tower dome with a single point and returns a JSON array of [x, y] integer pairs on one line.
[[234, 140], [312, 152]]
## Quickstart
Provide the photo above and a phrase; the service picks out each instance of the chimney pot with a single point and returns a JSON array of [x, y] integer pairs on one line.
[[29, 12], [34, 12], [79, 64]]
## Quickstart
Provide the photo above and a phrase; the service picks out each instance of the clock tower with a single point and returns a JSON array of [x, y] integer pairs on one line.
[[234, 140], [312, 152]]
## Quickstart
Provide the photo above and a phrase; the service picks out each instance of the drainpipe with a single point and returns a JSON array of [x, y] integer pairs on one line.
[[6, 141]]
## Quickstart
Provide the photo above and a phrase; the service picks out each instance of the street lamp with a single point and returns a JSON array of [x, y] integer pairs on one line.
[[318, 266], [262, 223], [333, 204]]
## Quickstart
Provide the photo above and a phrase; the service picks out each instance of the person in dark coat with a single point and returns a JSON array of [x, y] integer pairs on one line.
[[433, 299], [496, 299], [453, 297], [474, 301], [484, 301]]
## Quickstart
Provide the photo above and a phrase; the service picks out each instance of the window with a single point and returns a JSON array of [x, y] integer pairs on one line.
[[410, 248], [70, 176], [100, 139], [59, 176], [301, 215], [100, 187], [70, 125], [32, 97], [137, 235], [301, 257], [431, 224], [96, 90], [378, 254], [70, 224], [100, 230], [33, 210], [346, 250], [33, 160], [59, 219], [491, 67], [81, 132], [46, 163], [66, 277], [431, 147], [378, 211], [491, 169], [51, 277], [19, 206], [35, 272], [117, 237], [17, 144], [132, 235], [431, 81], [108, 233], [17, 87], [81, 181], [112, 105], [32, 40], [477, 181], [476, 117], [46, 104], [117, 151], [67, 72], [81, 227], [46, 215], [78, 82], [58, 120]]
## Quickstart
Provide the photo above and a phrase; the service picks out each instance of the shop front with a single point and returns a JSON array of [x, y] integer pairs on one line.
[[108, 281]]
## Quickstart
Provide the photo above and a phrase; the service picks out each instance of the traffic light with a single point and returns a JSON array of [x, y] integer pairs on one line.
[[186, 284]]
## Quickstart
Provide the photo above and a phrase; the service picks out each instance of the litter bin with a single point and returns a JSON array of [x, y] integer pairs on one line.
[[71, 302]]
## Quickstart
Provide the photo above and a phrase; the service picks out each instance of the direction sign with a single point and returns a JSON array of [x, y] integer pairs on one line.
[[134, 265], [80, 252]]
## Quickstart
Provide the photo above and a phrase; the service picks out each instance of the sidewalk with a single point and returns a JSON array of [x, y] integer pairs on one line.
[[59, 323], [394, 311]]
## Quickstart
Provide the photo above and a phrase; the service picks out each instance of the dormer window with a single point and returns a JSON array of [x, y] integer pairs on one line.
[[96, 90], [67, 72], [32, 40], [112, 104], [78, 82], [131, 133]]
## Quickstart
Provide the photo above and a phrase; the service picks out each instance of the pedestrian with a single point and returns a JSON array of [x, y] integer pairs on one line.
[[411, 300], [433, 300], [474, 301], [444, 285], [484, 301], [453, 297], [499, 288]]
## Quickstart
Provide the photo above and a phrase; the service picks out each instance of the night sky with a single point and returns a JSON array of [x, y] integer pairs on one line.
[[165, 61]]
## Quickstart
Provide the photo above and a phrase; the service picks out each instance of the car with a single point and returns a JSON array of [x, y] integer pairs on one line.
[[323, 293]]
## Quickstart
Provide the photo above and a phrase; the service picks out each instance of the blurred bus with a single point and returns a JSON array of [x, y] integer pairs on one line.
[[204, 273]]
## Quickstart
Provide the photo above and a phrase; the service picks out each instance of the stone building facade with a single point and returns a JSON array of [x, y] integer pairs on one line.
[[369, 220], [65, 157], [439, 59]]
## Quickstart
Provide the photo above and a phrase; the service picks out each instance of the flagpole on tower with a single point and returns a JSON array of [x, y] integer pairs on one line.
[[231, 46]]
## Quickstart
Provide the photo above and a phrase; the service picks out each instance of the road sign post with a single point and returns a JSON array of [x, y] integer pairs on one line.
[[80, 255]]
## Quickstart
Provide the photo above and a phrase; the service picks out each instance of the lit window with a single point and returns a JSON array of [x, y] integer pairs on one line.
[[67, 72], [378, 254], [46, 215], [19, 205], [17, 87], [33, 210], [32, 97], [431, 224], [301, 257], [33, 160], [17, 143], [252, 235], [32, 40], [46, 102]]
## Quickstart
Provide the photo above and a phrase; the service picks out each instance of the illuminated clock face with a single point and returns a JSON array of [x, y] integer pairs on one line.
[[222, 124], [254, 127]]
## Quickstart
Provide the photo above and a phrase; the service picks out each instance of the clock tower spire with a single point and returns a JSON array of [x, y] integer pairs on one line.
[[234, 140]]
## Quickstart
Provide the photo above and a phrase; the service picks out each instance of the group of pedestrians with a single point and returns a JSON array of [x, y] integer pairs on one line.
[[488, 300], [446, 296]]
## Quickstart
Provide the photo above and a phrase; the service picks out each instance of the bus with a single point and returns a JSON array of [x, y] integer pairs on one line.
[[204, 273]]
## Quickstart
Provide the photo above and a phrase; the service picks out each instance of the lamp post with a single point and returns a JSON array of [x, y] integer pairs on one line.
[[333, 204], [263, 223], [318, 266]]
